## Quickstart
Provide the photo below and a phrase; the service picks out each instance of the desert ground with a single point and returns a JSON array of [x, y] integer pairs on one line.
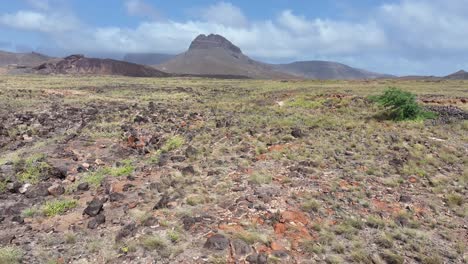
[[104, 169]]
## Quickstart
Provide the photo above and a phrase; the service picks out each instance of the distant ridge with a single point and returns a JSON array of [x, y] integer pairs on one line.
[[79, 64], [459, 75], [327, 70], [22, 59], [215, 55]]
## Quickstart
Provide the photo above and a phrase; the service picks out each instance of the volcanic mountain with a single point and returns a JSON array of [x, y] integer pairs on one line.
[[78, 64], [215, 55], [22, 59], [327, 70], [459, 75]]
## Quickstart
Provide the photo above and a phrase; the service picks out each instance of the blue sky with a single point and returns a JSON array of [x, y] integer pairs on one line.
[[391, 36]]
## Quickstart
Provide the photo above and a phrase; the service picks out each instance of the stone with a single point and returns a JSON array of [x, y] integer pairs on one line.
[[241, 248], [17, 219], [188, 170], [23, 189], [83, 186], [297, 133], [150, 221], [14, 187], [217, 242], [163, 202], [115, 197], [40, 190], [126, 231], [94, 207], [56, 190], [191, 152], [96, 221]]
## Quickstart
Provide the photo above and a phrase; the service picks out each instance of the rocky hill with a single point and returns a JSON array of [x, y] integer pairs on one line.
[[215, 55], [327, 70], [459, 75], [22, 59], [78, 64]]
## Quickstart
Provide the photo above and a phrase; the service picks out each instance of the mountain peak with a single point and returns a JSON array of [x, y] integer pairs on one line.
[[213, 41]]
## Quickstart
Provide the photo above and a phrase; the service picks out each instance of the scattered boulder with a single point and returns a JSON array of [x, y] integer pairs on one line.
[[126, 231], [94, 207], [150, 221], [17, 219], [115, 197], [14, 187], [216, 242], [56, 190], [257, 258], [241, 248], [39, 190], [163, 202], [83, 186], [24, 188], [96, 221], [189, 170], [297, 133]]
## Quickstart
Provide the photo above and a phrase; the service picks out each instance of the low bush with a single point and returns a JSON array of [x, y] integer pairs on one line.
[[401, 105]]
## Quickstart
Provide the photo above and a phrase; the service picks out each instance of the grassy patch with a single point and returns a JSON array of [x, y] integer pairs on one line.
[[53, 208], [10, 255], [260, 178], [34, 167]]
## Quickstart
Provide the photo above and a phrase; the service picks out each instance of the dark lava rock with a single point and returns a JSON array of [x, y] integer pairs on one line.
[[14, 187], [189, 221], [163, 159], [280, 254], [404, 198], [17, 219], [96, 221], [191, 152], [297, 133], [40, 190], [188, 170], [126, 231], [114, 197], [257, 258], [165, 199], [150, 221], [94, 207], [217, 242], [59, 172], [241, 248], [178, 158], [156, 186], [83, 186]]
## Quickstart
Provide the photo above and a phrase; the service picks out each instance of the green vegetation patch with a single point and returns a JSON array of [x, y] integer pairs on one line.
[[57, 207], [401, 105], [34, 167], [10, 255]]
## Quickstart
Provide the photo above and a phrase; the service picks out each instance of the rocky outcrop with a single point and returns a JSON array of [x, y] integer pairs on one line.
[[79, 64]]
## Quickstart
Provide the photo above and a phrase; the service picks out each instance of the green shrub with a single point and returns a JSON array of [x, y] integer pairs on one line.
[[53, 208], [401, 105], [10, 255]]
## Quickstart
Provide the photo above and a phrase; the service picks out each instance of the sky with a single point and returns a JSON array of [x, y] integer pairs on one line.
[[402, 37]]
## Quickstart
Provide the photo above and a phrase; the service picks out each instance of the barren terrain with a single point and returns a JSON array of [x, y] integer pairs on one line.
[[190, 170]]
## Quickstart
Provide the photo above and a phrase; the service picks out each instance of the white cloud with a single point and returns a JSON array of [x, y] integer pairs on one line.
[[405, 37], [37, 21], [141, 8], [39, 4], [225, 14]]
